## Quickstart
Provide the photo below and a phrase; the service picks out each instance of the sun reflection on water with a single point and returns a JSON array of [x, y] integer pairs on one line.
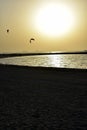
[[56, 60], [62, 61]]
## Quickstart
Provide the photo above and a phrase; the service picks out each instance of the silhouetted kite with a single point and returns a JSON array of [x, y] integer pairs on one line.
[[7, 30], [32, 39]]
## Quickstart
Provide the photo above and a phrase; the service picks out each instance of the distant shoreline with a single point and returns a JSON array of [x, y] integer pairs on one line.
[[5, 55]]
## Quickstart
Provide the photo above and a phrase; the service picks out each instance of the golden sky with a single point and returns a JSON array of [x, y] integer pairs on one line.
[[55, 28]]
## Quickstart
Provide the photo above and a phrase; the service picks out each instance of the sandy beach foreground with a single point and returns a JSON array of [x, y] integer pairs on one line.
[[40, 98]]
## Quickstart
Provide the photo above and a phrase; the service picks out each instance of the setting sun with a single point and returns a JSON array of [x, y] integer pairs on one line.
[[55, 19], [56, 25]]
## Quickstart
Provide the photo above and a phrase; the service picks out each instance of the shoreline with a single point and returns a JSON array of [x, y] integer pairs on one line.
[[43, 67], [6, 55], [42, 98]]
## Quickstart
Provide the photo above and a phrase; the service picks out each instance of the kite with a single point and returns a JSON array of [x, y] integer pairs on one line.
[[32, 39], [7, 30]]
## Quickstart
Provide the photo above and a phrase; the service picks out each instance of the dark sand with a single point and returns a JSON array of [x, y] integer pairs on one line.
[[37, 98]]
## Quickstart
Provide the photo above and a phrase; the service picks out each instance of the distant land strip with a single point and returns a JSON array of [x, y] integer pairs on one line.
[[5, 55]]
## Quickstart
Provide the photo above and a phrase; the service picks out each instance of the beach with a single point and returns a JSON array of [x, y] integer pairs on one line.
[[42, 98]]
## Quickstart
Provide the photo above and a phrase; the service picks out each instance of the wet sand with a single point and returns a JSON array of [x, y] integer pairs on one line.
[[40, 98]]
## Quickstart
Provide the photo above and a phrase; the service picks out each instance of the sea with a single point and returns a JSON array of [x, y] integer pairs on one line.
[[78, 61]]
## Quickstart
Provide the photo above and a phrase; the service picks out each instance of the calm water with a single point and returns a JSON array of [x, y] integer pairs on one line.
[[67, 61]]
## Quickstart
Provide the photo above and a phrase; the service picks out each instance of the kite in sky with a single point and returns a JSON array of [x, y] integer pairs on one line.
[[7, 30], [32, 39]]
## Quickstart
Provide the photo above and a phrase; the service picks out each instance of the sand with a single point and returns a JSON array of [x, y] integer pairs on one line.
[[40, 98]]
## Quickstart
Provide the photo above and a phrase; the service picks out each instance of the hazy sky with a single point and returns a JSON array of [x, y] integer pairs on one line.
[[21, 16]]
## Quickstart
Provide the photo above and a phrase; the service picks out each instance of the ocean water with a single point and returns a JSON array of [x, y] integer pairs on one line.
[[57, 60]]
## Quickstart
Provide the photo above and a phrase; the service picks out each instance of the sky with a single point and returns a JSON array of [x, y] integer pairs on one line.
[[56, 25]]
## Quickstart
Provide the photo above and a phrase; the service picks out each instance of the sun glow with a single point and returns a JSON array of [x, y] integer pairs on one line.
[[55, 19]]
